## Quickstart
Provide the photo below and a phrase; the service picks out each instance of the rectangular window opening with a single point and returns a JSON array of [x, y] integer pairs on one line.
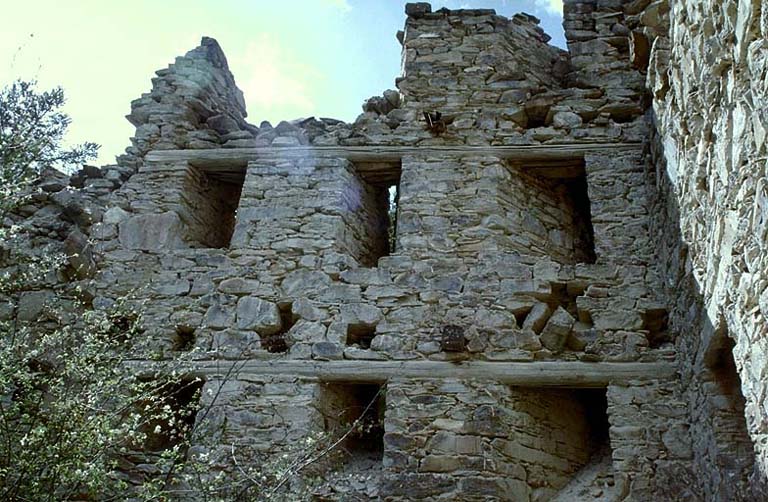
[[562, 196], [184, 338], [379, 211], [211, 198], [357, 411], [171, 414], [361, 335], [578, 419]]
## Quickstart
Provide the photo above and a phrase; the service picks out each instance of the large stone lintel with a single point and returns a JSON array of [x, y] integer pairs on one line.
[[533, 374]]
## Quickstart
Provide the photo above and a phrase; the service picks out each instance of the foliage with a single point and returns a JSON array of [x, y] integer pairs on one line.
[[76, 414], [31, 131], [67, 406]]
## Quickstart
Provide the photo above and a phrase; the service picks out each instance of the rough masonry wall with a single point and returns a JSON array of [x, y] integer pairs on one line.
[[318, 206], [194, 103], [459, 207], [708, 78], [490, 248], [484, 247], [479, 441]]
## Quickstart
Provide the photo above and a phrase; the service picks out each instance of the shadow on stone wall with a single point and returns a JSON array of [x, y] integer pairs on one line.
[[722, 453]]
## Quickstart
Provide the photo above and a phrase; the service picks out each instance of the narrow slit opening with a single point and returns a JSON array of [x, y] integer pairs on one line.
[[376, 213]]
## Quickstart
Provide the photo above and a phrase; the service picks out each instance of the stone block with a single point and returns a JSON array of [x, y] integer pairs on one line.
[[495, 489], [80, 254], [32, 303], [152, 232], [556, 331], [327, 351], [417, 9], [219, 316], [304, 282], [363, 354], [258, 315], [306, 332], [115, 216], [360, 314], [238, 286], [439, 463], [306, 309], [449, 442], [537, 317], [386, 343], [566, 120]]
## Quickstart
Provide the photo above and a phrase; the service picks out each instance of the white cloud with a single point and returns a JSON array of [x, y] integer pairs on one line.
[[274, 82], [553, 6], [342, 5]]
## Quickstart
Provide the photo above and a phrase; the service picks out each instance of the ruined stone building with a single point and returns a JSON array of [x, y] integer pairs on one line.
[[541, 273]]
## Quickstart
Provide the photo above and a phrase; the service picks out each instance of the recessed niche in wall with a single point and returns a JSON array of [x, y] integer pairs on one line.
[[557, 209], [169, 428], [357, 411], [595, 405], [360, 335], [184, 338], [210, 199], [655, 323], [569, 431], [735, 451], [276, 342], [379, 194]]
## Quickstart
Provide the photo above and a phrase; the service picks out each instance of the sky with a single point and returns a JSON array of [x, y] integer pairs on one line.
[[291, 59]]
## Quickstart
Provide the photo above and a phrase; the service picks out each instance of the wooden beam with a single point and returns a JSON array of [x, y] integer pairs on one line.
[[239, 157], [522, 374]]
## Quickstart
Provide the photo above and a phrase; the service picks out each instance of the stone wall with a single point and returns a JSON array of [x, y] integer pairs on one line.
[[535, 261], [504, 252], [458, 207], [194, 103], [707, 75], [317, 206], [475, 441]]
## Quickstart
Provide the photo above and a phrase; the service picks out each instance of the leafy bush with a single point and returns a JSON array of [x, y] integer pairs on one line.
[[77, 416]]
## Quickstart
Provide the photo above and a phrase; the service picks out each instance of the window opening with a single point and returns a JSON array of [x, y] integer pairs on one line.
[[361, 335], [184, 338], [563, 190], [173, 414], [357, 411], [212, 199], [380, 193]]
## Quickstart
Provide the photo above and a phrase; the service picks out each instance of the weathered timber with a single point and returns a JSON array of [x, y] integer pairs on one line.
[[224, 157], [534, 374]]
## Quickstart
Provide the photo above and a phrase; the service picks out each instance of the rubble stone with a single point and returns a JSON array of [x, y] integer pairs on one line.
[[538, 211]]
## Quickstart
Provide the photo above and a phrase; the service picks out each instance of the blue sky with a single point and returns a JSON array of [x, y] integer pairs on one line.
[[294, 58]]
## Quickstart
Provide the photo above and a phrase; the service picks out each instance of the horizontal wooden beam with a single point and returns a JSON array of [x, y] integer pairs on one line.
[[523, 374], [385, 154]]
